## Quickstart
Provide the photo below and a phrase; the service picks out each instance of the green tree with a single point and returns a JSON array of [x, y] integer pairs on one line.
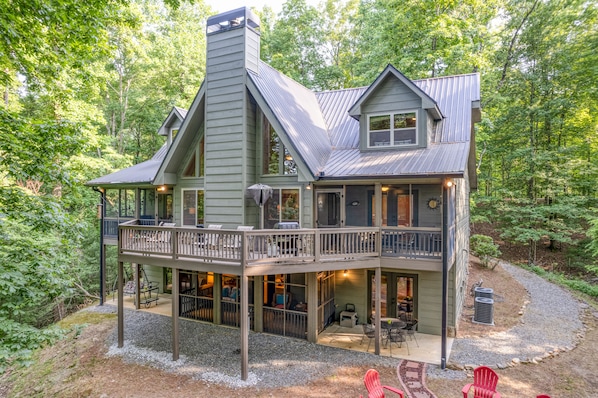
[[538, 146], [425, 38]]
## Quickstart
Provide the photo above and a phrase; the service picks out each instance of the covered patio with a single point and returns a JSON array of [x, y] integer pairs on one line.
[[426, 350]]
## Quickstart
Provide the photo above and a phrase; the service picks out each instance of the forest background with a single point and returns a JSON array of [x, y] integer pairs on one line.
[[85, 86]]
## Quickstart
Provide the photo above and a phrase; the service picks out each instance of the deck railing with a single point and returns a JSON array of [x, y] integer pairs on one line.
[[258, 247]]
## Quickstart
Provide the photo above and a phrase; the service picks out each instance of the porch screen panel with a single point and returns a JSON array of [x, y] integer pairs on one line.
[[127, 203], [359, 210], [112, 203], [147, 205]]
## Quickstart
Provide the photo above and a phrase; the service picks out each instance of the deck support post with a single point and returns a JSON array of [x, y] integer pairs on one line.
[[376, 321], [445, 264], [120, 314], [312, 307], [175, 314], [137, 287], [244, 327]]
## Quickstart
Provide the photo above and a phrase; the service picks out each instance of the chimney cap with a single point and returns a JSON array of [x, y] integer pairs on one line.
[[233, 19]]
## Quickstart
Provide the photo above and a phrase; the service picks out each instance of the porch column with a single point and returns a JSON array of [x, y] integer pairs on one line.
[[138, 287], [175, 314], [217, 298], [377, 313], [244, 327], [312, 307], [120, 309], [258, 303], [443, 335]]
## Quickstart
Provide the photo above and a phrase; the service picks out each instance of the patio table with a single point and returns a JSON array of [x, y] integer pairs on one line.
[[390, 324]]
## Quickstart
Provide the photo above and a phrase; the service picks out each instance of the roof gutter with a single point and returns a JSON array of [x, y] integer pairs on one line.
[[102, 211]]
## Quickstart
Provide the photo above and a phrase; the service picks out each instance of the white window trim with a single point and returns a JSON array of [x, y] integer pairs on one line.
[[392, 129], [299, 197], [183, 190]]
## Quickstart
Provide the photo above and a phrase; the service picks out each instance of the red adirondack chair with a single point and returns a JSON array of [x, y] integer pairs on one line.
[[375, 388], [484, 383]]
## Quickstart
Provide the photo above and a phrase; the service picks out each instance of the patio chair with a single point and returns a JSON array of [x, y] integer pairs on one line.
[[410, 330], [484, 383], [369, 332], [233, 242], [210, 241], [375, 387], [398, 336]]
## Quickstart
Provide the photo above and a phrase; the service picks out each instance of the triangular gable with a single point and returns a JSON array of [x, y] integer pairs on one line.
[[293, 109], [174, 118], [428, 102], [167, 172]]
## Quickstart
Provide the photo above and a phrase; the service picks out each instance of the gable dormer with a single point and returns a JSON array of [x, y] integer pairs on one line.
[[171, 125], [394, 113]]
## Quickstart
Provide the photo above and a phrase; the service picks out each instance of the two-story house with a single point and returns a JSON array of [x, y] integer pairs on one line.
[[364, 198]]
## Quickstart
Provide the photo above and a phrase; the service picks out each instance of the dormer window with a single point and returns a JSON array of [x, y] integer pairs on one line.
[[394, 129]]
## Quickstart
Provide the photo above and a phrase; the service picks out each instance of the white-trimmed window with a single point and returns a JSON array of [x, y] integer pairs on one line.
[[195, 166], [282, 206], [277, 158], [192, 207], [394, 129]]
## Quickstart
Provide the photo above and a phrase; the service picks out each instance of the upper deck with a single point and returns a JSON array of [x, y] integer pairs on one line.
[[269, 251]]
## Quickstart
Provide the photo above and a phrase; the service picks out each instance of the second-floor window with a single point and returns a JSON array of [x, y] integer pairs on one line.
[[193, 206], [394, 129], [195, 167], [277, 158]]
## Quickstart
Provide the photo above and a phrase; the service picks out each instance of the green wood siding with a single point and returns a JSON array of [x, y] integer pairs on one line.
[[392, 95], [352, 289], [226, 129]]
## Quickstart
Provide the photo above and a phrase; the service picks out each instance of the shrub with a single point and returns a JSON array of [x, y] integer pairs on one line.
[[483, 246]]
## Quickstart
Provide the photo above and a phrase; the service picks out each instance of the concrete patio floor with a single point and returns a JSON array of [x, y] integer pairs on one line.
[[427, 349]]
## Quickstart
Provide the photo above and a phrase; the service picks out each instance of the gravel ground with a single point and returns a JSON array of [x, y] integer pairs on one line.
[[551, 322], [211, 353]]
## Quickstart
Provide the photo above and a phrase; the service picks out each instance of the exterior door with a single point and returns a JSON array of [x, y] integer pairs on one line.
[[328, 212], [398, 293]]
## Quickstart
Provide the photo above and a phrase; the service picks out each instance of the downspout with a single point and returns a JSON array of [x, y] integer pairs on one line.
[[444, 275], [102, 259]]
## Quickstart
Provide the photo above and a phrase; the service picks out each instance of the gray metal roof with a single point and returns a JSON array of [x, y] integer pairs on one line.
[[141, 173], [454, 95], [323, 134], [447, 155], [297, 111]]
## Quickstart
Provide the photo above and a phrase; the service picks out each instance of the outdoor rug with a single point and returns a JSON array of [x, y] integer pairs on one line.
[[412, 376]]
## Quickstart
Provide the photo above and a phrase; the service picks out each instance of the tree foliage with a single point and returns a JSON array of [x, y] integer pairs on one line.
[[87, 84]]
